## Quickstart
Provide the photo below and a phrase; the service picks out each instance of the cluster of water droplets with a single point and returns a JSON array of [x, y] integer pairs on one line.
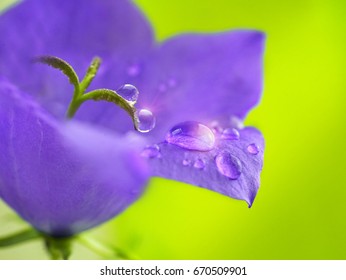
[[145, 118]]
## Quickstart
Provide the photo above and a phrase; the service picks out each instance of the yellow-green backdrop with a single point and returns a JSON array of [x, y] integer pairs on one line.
[[300, 210]]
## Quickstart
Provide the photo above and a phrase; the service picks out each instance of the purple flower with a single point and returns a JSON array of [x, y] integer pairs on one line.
[[65, 177]]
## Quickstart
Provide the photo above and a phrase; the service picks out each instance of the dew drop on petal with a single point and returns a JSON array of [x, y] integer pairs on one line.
[[191, 136], [133, 70], [128, 92], [151, 151], [186, 162], [146, 120], [216, 127], [230, 134], [228, 165], [199, 164], [253, 149]]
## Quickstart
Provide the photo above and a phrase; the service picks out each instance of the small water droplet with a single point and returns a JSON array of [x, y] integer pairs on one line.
[[172, 82], [228, 165], [191, 136], [216, 127], [151, 151], [128, 92], [146, 120], [199, 164], [186, 162], [253, 149], [236, 122], [133, 70], [230, 134]]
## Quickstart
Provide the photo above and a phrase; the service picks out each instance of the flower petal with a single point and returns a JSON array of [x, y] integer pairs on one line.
[[232, 168], [67, 178], [204, 77], [194, 77], [74, 30]]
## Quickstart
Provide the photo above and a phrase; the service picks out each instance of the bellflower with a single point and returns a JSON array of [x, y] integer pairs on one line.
[[64, 177]]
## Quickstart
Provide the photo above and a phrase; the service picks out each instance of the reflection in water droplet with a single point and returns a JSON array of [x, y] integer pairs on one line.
[[230, 134], [152, 151], [199, 164], [228, 165], [146, 120], [133, 70], [236, 122], [186, 162], [128, 92], [253, 149], [192, 136]]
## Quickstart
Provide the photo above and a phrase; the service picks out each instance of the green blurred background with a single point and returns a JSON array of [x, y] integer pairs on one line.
[[300, 210]]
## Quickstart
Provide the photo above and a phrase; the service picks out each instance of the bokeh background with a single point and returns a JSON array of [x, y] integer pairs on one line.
[[300, 210]]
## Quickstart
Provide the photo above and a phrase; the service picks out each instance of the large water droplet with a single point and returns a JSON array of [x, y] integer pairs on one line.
[[152, 151], [228, 165], [146, 120], [253, 149], [192, 136], [199, 164], [230, 134], [128, 92], [133, 70]]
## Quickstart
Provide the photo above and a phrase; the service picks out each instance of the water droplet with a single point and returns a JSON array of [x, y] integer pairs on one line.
[[146, 120], [192, 136], [128, 92], [236, 122], [216, 127], [199, 164], [230, 134], [186, 162], [253, 149], [151, 151], [133, 70], [228, 165], [172, 82]]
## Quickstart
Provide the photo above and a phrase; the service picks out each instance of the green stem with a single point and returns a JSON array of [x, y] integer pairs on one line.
[[20, 237], [59, 248], [103, 251]]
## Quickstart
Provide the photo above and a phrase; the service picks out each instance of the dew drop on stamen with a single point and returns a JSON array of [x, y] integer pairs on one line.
[[151, 151], [146, 120], [253, 149], [191, 136], [230, 134], [228, 165], [199, 164], [128, 92]]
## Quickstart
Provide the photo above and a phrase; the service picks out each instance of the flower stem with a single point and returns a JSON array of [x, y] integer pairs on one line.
[[103, 251]]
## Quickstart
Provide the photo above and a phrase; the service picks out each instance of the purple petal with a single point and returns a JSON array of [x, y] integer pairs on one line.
[[195, 77], [76, 31], [63, 178], [204, 78], [232, 168]]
